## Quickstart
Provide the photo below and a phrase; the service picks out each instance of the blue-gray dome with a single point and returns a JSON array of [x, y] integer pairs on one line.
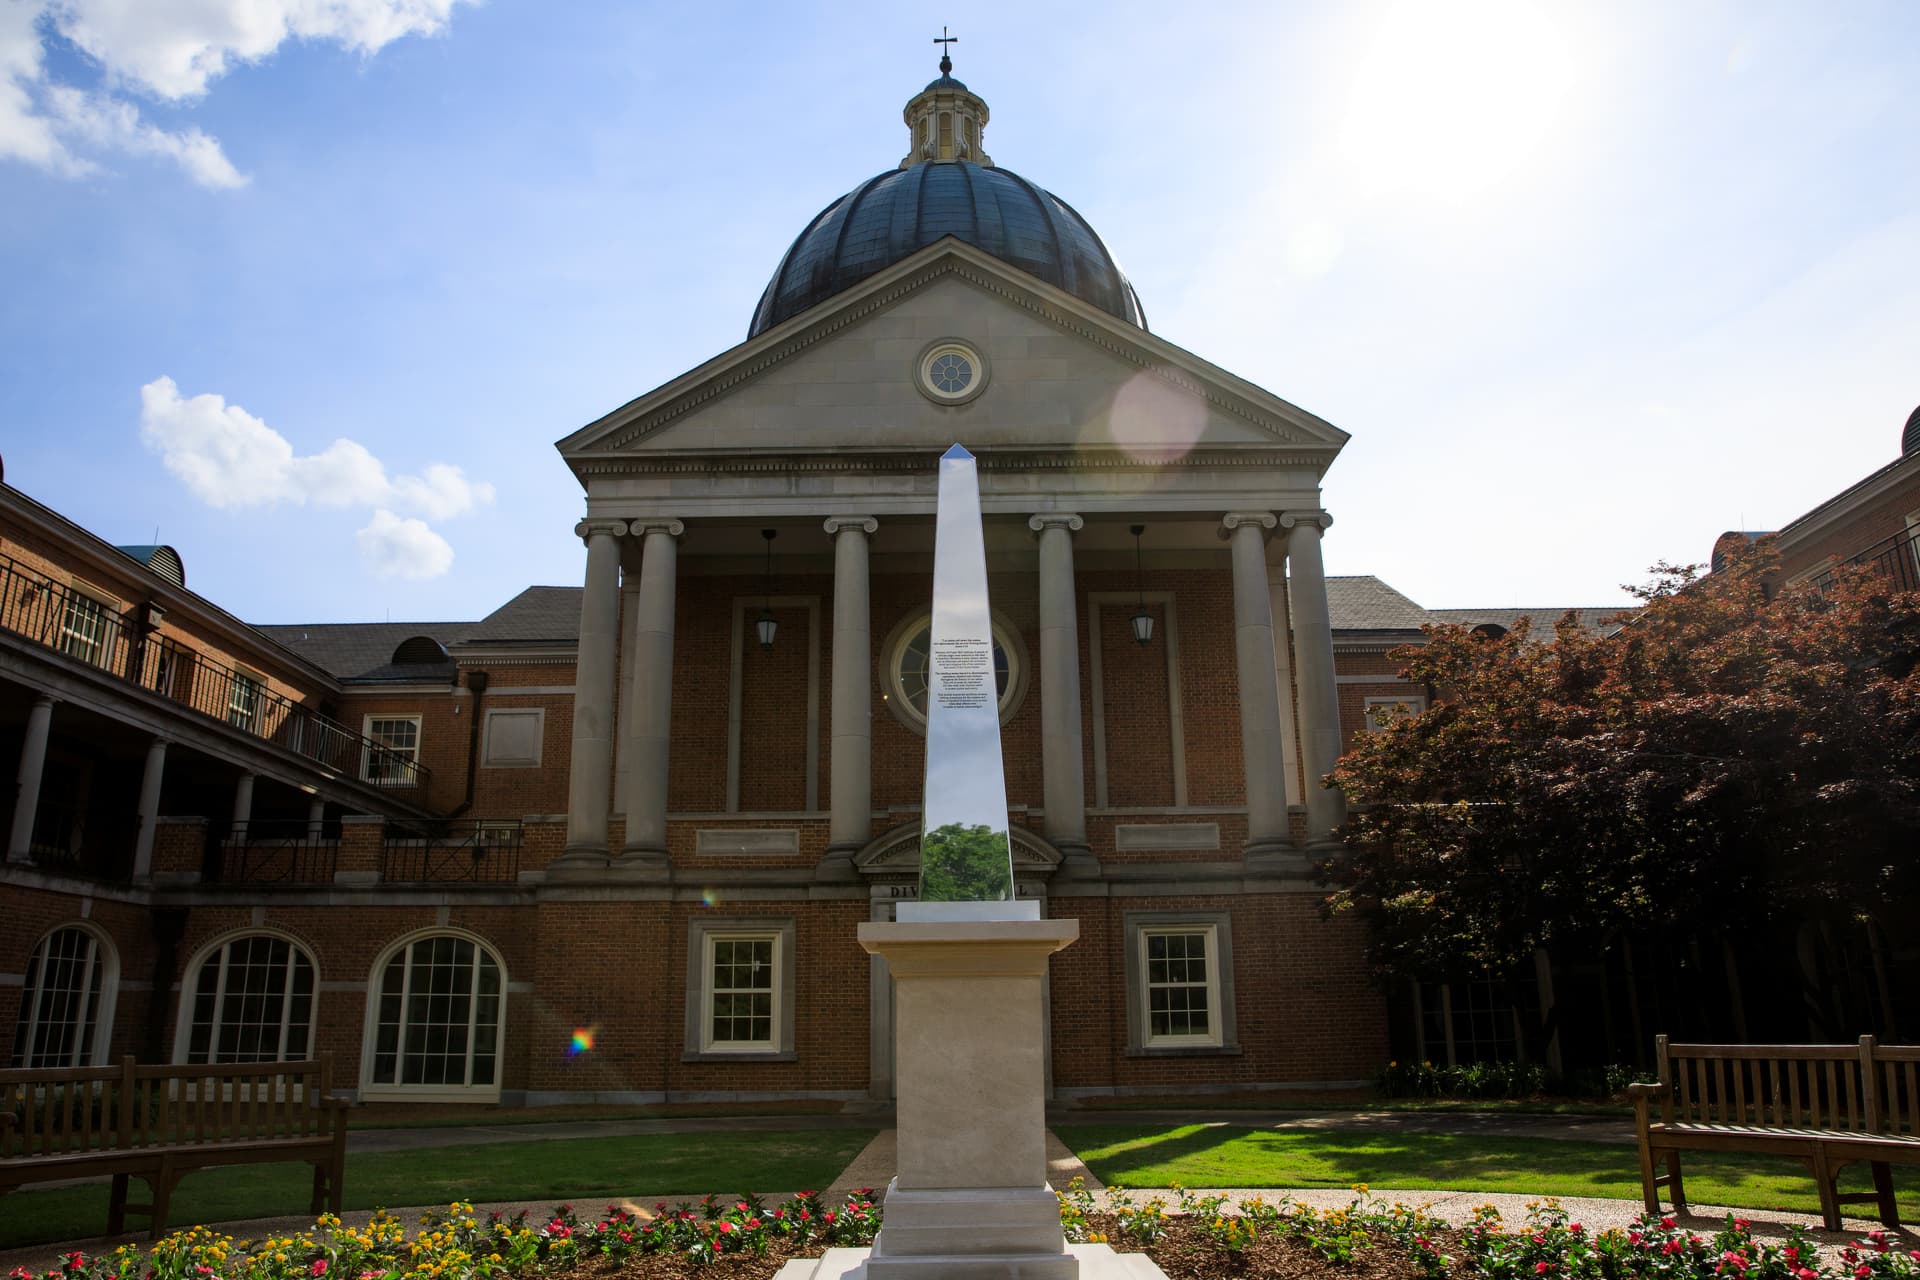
[[1910, 438], [902, 211]]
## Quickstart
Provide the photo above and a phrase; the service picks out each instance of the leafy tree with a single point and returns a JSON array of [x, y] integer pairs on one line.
[[960, 863], [1734, 757]]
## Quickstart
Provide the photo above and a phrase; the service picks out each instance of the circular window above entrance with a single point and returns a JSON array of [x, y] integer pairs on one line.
[[903, 670], [950, 372]]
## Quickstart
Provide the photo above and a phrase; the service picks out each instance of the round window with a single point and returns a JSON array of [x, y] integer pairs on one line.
[[904, 670], [951, 372]]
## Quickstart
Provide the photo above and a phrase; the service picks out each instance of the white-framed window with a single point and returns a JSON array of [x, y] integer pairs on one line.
[[740, 988], [243, 700], [83, 627], [247, 999], [1384, 710], [435, 1020], [66, 1001], [398, 765], [514, 736], [1180, 982], [904, 675]]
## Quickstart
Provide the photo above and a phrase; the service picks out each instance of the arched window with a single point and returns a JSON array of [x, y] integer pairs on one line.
[[66, 1005], [250, 999], [904, 672], [435, 1019]]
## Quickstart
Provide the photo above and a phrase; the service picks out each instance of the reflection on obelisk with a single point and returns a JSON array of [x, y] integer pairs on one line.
[[966, 859]]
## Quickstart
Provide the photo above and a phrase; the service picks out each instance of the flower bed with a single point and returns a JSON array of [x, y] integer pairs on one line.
[[1191, 1237]]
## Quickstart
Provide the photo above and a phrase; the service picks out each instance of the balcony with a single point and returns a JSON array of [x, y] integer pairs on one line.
[[297, 853], [1896, 558], [129, 648]]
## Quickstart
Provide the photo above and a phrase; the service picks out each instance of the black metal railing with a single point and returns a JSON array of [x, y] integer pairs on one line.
[[434, 851], [279, 851], [1896, 558], [127, 645]]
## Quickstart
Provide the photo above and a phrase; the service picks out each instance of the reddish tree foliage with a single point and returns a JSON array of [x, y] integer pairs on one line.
[[1735, 757]]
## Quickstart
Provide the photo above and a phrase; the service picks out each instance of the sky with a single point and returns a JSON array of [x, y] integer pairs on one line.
[[308, 290]]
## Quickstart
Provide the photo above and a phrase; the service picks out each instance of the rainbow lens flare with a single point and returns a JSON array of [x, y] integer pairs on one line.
[[582, 1041]]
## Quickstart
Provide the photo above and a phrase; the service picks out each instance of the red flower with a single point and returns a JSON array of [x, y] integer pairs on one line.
[[319, 1266], [726, 1228], [1541, 1268]]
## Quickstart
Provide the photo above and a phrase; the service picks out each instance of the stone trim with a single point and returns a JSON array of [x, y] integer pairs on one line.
[[1220, 954]]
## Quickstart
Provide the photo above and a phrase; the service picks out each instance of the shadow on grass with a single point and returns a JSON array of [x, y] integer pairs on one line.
[[1236, 1156]]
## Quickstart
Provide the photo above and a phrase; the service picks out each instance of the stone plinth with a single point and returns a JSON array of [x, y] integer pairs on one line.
[[971, 1196]]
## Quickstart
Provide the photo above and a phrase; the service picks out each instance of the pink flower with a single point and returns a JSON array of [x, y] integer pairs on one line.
[[1575, 1228], [1541, 1268], [726, 1228], [1668, 1223], [319, 1267]]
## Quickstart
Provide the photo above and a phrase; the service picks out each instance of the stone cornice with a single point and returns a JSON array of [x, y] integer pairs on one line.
[[947, 258], [895, 462]]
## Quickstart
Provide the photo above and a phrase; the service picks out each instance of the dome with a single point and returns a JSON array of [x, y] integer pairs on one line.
[[901, 211], [1910, 438]]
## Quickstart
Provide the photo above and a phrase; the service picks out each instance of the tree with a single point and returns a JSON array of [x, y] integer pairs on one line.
[[960, 863], [1734, 756]]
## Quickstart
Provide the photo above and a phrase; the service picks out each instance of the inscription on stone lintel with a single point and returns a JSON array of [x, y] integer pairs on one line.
[[1133, 836]]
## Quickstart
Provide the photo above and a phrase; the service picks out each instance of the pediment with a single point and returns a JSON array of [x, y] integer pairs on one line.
[[1061, 374], [897, 852]]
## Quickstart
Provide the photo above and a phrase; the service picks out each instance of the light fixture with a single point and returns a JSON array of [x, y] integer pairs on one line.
[[767, 625], [1142, 620]]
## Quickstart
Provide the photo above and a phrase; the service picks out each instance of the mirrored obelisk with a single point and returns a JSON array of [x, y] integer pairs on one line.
[[966, 857]]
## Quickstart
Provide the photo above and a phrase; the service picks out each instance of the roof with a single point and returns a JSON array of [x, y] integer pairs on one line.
[[360, 651], [895, 214], [538, 614], [1364, 603], [1545, 618]]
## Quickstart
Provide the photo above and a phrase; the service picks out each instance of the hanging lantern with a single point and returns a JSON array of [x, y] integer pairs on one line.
[[766, 624], [1142, 620]]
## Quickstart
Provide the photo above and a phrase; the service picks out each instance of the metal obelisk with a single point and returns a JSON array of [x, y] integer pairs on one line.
[[966, 857]]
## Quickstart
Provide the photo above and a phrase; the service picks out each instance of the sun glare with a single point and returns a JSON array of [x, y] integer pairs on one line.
[[1446, 102]]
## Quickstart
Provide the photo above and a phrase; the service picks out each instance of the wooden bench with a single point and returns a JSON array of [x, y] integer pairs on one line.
[[1828, 1105], [159, 1123]]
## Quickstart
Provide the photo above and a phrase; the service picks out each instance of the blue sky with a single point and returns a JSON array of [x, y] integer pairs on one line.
[[1588, 283]]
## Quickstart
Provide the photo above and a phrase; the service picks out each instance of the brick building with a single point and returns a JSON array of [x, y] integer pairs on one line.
[[613, 840]]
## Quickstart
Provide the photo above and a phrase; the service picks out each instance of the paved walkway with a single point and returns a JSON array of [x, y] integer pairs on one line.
[[874, 1165]]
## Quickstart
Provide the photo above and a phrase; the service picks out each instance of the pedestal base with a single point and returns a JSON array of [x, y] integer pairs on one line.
[[1096, 1262], [935, 1232]]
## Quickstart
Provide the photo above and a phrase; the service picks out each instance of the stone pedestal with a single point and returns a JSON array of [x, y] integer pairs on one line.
[[971, 1196]]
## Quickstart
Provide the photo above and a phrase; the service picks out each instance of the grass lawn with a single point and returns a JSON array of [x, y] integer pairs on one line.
[[1236, 1156], [690, 1163], [1321, 1105]]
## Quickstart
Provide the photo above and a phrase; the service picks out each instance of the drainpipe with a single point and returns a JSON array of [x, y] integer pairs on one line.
[[477, 685]]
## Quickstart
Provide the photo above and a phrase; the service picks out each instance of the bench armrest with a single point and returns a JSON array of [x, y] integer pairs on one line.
[[1649, 1092], [1644, 1096]]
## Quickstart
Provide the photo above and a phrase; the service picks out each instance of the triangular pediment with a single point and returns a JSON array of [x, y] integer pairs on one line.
[[1059, 373]]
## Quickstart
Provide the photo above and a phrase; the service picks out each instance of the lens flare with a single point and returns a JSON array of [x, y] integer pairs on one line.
[[710, 896], [582, 1041]]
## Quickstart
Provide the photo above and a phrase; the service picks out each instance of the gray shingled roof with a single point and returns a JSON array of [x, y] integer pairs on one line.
[[364, 650], [1364, 603], [1544, 618], [537, 614]]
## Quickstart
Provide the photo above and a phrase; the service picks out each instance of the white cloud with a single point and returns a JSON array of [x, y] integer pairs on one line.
[[171, 50], [393, 547], [228, 458]]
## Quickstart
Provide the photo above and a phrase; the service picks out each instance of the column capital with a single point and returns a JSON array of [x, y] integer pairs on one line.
[[590, 528], [1321, 520], [865, 524], [656, 524], [1055, 520], [44, 700], [1234, 519]]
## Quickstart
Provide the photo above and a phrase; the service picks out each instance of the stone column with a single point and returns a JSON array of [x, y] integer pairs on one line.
[[242, 803], [1260, 729], [850, 787], [1320, 741], [1283, 678], [1062, 764], [33, 761], [316, 819], [646, 843], [149, 808], [590, 780]]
